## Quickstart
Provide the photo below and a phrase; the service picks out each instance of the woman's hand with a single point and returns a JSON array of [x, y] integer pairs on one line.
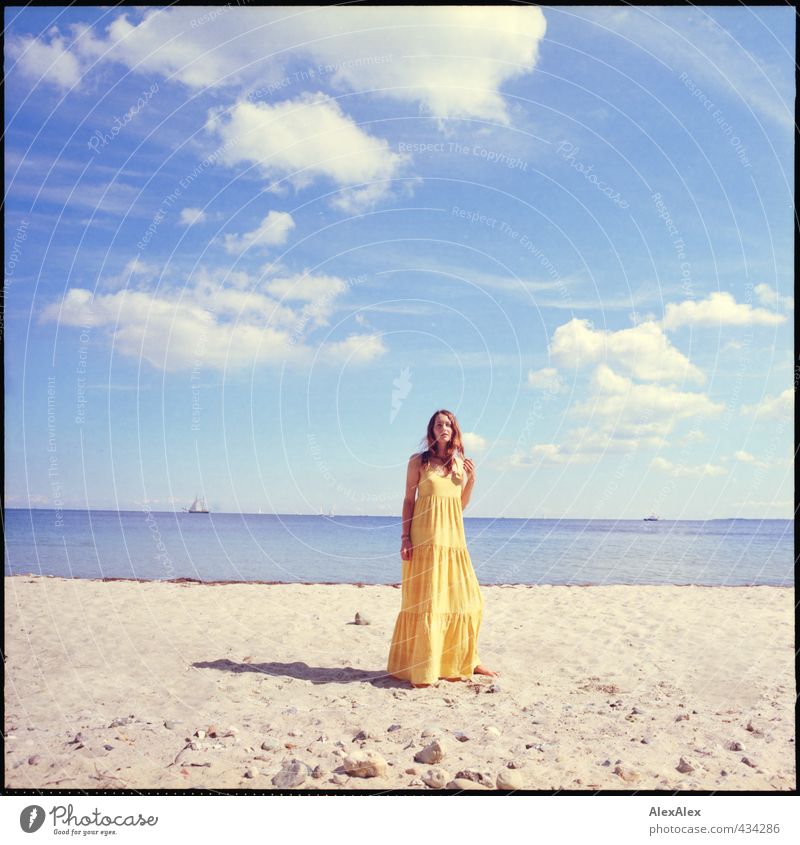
[[469, 468], [405, 549]]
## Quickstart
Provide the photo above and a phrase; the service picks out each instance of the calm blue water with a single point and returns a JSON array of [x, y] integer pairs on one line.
[[250, 547]]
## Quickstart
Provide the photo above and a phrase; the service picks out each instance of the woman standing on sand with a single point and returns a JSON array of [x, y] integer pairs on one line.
[[436, 633]]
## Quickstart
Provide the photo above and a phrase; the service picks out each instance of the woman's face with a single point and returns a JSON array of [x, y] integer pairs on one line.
[[443, 429]]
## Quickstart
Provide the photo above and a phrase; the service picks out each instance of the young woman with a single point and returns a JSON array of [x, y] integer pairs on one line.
[[436, 633]]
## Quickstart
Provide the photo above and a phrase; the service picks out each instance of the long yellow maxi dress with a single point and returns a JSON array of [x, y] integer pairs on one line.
[[436, 633]]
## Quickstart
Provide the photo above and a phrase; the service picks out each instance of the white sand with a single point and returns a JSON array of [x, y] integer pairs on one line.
[[593, 679]]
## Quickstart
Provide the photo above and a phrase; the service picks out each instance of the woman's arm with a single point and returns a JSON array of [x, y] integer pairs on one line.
[[409, 500]]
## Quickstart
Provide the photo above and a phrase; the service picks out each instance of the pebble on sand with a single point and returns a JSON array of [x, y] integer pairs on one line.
[[509, 779], [436, 778], [292, 775], [684, 766], [461, 783], [361, 619], [365, 764], [430, 754]]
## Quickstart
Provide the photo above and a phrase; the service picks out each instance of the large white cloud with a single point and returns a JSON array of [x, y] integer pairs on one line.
[[718, 309], [773, 407], [46, 60], [210, 324], [453, 60], [304, 139], [643, 349]]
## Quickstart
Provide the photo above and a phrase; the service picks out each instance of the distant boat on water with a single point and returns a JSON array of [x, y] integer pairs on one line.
[[651, 518], [198, 505]]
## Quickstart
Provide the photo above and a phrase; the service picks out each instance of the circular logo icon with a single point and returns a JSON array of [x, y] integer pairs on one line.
[[31, 818]]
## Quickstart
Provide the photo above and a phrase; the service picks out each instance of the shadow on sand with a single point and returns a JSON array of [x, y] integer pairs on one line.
[[304, 672]]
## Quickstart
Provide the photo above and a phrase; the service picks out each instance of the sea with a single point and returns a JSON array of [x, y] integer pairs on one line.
[[158, 546]]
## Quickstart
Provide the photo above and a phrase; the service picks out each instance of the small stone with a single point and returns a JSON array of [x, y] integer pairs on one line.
[[339, 780], [430, 732], [606, 763], [493, 688], [173, 724], [748, 762], [269, 745], [461, 736], [251, 772], [734, 745], [628, 775], [683, 717], [365, 764], [492, 731], [292, 775], [295, 733], [461, 783], [393, 728], [509, 779], [516, 764], [33, 759], [361, 619], [684, 766], [430, 754], [645, 741], [485, 779], [361, 735], [436, 778], [318, 773], [108, 747], [200, 734], [411, 771], [723, 773]]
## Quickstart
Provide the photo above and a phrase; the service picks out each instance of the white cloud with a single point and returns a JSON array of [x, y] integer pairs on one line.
[[134, 272], [208, 324], [452, 60], [548, 453], [644, 349], [747, 458], [47, 60], [773, 407], [767, 295], [190, 216], [642, 408], [473, 442], [719, 309], [272, 231], [684, 471], [546, 379], [307, 138]]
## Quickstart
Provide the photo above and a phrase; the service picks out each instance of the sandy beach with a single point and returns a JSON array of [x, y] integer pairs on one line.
[[161, 685]]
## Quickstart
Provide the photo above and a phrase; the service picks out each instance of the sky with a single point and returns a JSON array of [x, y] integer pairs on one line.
[[251, 251]]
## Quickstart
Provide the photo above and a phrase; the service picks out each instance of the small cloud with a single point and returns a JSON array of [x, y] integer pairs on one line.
[[773, 407], [684, 471], [747, 458], [190, 216], [768, 296], [272, 231], [719, 309], [546, 379], [473, 442]]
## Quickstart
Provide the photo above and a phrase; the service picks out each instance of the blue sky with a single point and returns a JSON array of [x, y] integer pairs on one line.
[[250, 251]]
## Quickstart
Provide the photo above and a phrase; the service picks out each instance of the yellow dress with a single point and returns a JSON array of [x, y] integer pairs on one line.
[[436, 633]]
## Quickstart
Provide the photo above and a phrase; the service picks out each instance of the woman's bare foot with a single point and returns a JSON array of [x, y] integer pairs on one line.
[[482, 670]]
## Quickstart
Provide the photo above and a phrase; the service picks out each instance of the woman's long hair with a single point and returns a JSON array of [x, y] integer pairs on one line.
[[454, 447]]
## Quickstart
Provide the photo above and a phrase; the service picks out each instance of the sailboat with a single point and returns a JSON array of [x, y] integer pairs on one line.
[[651, 518], [198, 505]]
